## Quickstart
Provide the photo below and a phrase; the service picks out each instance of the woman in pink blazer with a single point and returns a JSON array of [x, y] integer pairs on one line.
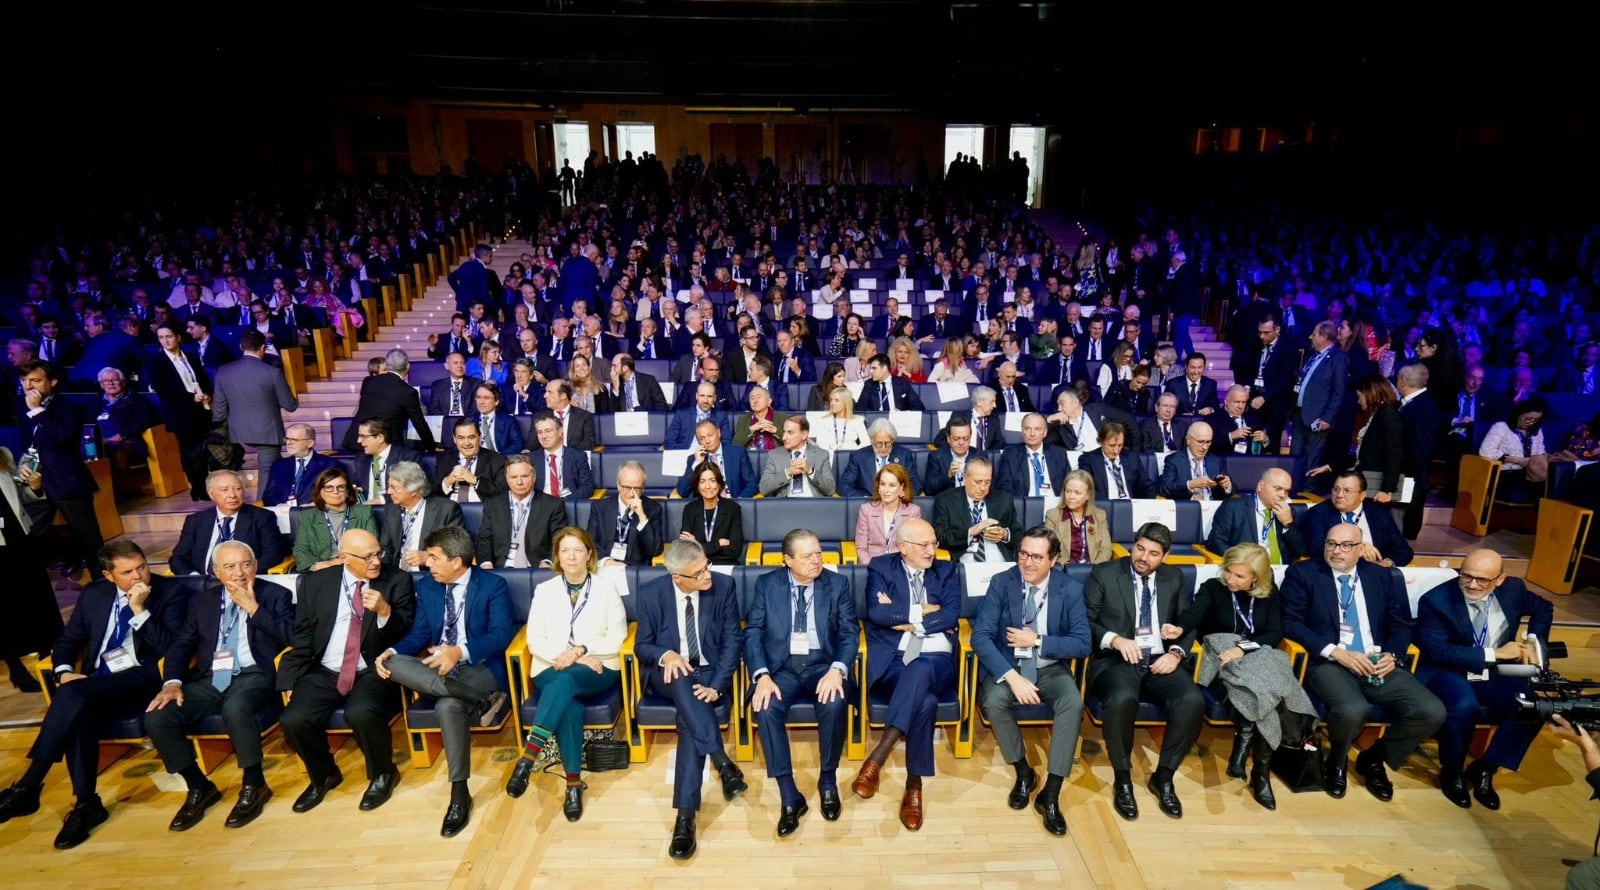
[[878, 522]]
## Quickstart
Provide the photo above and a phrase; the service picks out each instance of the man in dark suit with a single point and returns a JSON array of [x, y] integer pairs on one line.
[[213, 352], [106, 665], [53, 430], [1165, 431], [1194, 473], [886, 322], [1132, 603], [710, 371], [1467, 634], [558, 470], [1264, 518], [106, 347], [940, 324], [1031, 625], [577, 426], [1237, 427], [794, 607], [1354, 619], [1181, 293], [1476, 409], [251, 396], [1347, 504], [377, 458], [761, 378], [1419, 424], [1066, 366], [388, 397], [629, 529], [1032, 468], [681, 428], [498, 431], [1197, 393], [470, 473], [946, 467], [1319, 394], [790, 364], [974, 522], [858, 476], [346, 617], [629, 390], [451, 395], [230, 519], [456, 653], [413, 514], [470, 280], [1117, 474], [1272, 389], [694, 669], [519, 522], [884, 392], [291, 479], [737, 475], [223, 663], [1010, 391], [649, 344]]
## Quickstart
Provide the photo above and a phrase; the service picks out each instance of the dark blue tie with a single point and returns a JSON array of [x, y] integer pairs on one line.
[[119, 637]]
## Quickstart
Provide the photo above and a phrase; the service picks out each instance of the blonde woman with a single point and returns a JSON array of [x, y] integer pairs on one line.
[[952, 364], [905, 361], [841, 430], [1082, 528], [584, 386], [855, 368]]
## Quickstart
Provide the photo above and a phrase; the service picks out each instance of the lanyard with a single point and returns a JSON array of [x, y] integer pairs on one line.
[[1248, 617], [583, 600], [223, 633], [333, 535], [711, 522]]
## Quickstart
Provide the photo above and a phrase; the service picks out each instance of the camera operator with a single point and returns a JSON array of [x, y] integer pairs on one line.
[[1467, 631], [1584, 875]]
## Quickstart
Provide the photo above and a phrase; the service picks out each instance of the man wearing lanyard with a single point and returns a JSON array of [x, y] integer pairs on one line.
[[1319, 394], [520, 522], [807, 471], [456, 653], [1033, 467], [470, 474], [630, 528], [291, 478], [222, 664], [1266, 519]]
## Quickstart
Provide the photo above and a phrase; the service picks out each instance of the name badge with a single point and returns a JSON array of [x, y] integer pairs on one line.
[[800, 644], [1260, 383], [120, 659], [292, 502], [222, 661], [619, 552], [1478, 676], [1045, 491], [1147, 640], [104, 416], [1347, 635], [517, 545], [1022, 653]]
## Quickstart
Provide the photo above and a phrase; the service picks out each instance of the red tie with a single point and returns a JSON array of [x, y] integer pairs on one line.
[[352, 642], [555, 477]]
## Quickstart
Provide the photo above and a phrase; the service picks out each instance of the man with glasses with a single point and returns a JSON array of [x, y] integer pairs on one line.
[[1031, 625], [1467, 634], [291, 478], [1195, 473], [688, 643], [750, 348], [559, 471], [800, 647], [1265, 518], [630, 528], [346, 616], [1354, 619], [378, 456], [1348, 504], [859, 476]]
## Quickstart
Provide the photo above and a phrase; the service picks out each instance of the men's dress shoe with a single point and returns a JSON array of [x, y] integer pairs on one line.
[[911, 809], [314, 794], [1261, 786], [18, 800], [789, 821], [572, 804], [1455, 791], [195, 804], [1483, 790], [831, 805], [1166, 797], [733, 783], [865, 785], [1122, 800], [456, 816], [683, 845], [1334, 780], [252, 798], [377, 793], [493, 708], [517, 785], [1022, 789], [1375, 776], [76, 827], [1054, 822]]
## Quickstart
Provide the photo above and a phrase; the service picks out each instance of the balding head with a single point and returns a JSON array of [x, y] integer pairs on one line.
[[360, 552], [1274, 487], [1481, 572]]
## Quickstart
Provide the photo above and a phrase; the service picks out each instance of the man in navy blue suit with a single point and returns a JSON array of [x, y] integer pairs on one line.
[[1347, 503], [859, 477], [223, 663], [1116, 474], [1194, 473], [498, 429], [1264, 518], [790, 364], [681, 428], [558, 470], [1197, 393], [913, 609], [1031, 625], [231, 519], [688, 642], [885, 392], [1420, 425], [1032, 468], [1354, 619], [53, 430], [292, 477], [800, 645], [1319, 394], [470, 280], [1467, 634], [456, 653], [737, 474]]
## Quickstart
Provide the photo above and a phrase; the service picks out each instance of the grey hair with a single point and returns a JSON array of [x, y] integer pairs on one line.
[[216, 475], [248, 551], [109, 371], [303, 429], [678, 554], [397, 360], [881, 425], [409, 476], [980, 393], [1414, 375]]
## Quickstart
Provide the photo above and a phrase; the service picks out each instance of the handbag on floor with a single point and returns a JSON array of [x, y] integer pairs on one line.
[[602, 752]]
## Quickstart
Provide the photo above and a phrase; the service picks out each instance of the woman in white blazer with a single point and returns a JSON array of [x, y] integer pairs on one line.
[[841, 429], [878, 521], [576, 627]]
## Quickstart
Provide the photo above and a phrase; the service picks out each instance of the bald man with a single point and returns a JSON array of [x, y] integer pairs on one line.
[[1474, 657], [1263, 518]]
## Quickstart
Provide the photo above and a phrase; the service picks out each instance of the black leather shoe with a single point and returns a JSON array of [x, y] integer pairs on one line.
[[1123, 801], [252, 798], [1166, 797], [456, 816], [1455, 791], [572, 804], [377, 793], [84, 818], [1242, 739], [1261, 785], [1054, 822], [195, 804], [517, 785], [1022, 789], [733, 783], [832, 807], [683, 845], [1335, 780], [1374, 776], [1483, 789], [789, 821], [314, 793], [18, 800]]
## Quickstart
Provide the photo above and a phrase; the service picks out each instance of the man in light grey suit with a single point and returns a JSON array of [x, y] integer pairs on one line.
[[251, 396], [798, 469]]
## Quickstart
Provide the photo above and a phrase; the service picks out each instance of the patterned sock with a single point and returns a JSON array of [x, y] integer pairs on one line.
[[538, 738]]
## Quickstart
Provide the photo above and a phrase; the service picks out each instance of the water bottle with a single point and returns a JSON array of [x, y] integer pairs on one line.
[[1373, 656], [91, 442]]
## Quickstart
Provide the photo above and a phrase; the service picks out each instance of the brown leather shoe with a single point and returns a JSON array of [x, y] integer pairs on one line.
[[866, 783], [911, 809]]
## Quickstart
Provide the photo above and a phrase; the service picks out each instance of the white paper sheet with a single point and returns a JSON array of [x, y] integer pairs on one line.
[[907, 424], [1154, 510], [951, 391], [673, 463], [632, 423], [979, 574]]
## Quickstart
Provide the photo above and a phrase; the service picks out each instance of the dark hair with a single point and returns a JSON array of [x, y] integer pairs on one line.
[[456, 542], [51, 372], [1157, 534], [1360, 477], [1518, 409], [377, 426], [1045, 532], [702, 468], [879, 360], [323, 478], [493, 388], [118, 549], [463, 421], [251, 340], [1114, 428]]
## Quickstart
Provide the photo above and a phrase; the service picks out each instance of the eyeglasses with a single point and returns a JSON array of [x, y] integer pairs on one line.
[[704, 571], [926, 545], [622, 487], [1476, 581], [1025, 556], [374, 556], [1342, 546], [335, 489]]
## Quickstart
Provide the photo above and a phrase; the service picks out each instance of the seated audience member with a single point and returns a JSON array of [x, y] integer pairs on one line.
[[629, 389], [1117, 474], [1071, 426], [1348, 504], [497, 430], [519, 521], [377, 458], [230, 519], [886, 392], [841, 430], [1238, 427], [758, 428], [1518, 443], [860, 467], [977, 523], [988, 424], [1194, 473], [469, 473], [456, 341], [711, 518], [629, 529], [293, 478], [730, 461], [123, 417], [560, 471], [878, 520], [1033, 468], [413, 513], [680, 428], [808, 472], [451, 395], [1264, 518], [1196, 393], [1081, 528], [333, 510], [1162, 433], [576, 424], [945, 466]]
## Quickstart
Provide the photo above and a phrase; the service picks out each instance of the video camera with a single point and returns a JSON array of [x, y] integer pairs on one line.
[[1578, 701]]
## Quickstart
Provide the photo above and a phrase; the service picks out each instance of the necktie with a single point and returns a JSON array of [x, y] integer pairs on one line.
[[1030, 615], [1166, 435], [622, 527], [1350, 519], [408, 521], [119, 636], [1261, 369], [882, 461], [918, 597], [976, 548], [1116, 476], [1480, 622], [230, 642], [883, 396], [1269, 536], [555, 477], [463, 490], [1203, 494], [455, 398], [981, 425], [1194, 397], [377, 480], [691, 633], [628, 399], [797, 483], [452, 635], [802, 609], [1352, 617], [299, 472], [488, 432], [352, 642], [1147, 608], [1038, 476], [227, 530], [1011, 400], [50, 350]]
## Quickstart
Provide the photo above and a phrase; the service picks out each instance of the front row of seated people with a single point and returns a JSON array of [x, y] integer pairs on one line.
[[362, 628]]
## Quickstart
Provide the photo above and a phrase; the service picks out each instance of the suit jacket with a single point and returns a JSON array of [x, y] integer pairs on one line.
[[716, 625], [659, 348], [1113, 608], [1176, 473], [778, 391], [886, 577], [1420, 424], [437, 513], [1444, 625], [313, 538], [882, 326], [507, 433], [1066, 434], [1323, 390], [644, 544], [490, 470], [1235, 523], [725, 401], [860, 470], [1282, 370], [680, 428], [1381, 450], [738, 475], [1098, 526], [993, 437], [1066, 622], [742, 436], [902, 396], [1222, 426], [363, 471], [1140, 484], [439, 397], [647, 393], [252, 525], [808, 368], [1050, 370], [178, 409], [280, 482], [775, 481], [1213, 611], [1311, 613], [771, 619], [1024, 399], [317, 610], [1208, 394], [576, 475], [112, 349], [546, 516], [57, 436], [389, 397], [937, 478], [582, 433], [80, 641], [928, 326], [1014, 470], [1150, 438], [251, 396], [491, 621], [952, 517], [268, 631], [470, 281], [214, 353], [1386, 534]]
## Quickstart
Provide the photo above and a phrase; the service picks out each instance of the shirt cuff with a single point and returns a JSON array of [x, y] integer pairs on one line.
[[139, 620], [466, 654], [1488, 655], [1105, 641], [1178, 651], [36, 411], [1039, 643], [171, 683], [1327, 651], [759, 674], [63, 669], [384, 620], [840, 667], [642, 523]]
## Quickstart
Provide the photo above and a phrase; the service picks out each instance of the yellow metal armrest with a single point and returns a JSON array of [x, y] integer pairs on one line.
[[752, 553], [1118, 551], [847, 553], [964, 634], [1299, 658], [1210, 557], [658, 560], [630, 667], [1199, 654], [1413, 655], [44, 670], [600, 494], [283, 568], [942, 553]]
